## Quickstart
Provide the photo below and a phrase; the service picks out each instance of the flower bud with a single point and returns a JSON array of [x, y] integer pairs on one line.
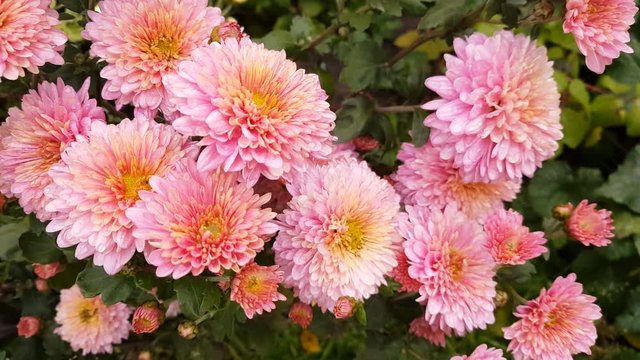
[[301, 314], [501, 298], [41, 285], [147, 318], [28, 326], [145, 355], [227, 30], [47, 271], [562, 212], [344, 307], [365, 143], [188, 329]]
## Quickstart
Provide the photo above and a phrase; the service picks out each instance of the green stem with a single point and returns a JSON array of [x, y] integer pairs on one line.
[[240, 346], [206, 317], [397, 108], [517, 298]]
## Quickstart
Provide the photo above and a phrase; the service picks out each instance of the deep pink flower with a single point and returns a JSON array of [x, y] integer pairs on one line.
[[482, 352], [589, 225], [601, 29], [401, 275], [147, 318], [510, 242], [29, 326], [301, 314], [256, 111], [255, 288], [47, 271], [447, 256], [556, 325], [28, 37], [430, 332], [499, 112]]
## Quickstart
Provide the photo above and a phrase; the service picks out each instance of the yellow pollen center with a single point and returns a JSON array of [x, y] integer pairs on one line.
[[264, 102], [456, 265], [254, 285], [133, 184], [88, 313], [164, 48]]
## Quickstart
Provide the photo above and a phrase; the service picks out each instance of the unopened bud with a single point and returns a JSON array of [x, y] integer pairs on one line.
[[365, 143], [301, 314], [227, 30], [147, 318], [501, 298], [145, 355], [47, 271], [188, 329], [562, 212], [344, 307], [28, 326]]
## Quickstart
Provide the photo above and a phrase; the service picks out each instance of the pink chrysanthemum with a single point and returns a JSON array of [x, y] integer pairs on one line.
[[36, 134], [143, 41], [90, 325], [257, 113], [430, 332], [99, 178], [401, 274], [556, 325], [255, 288], [337, 238], [509, 241], [28, 37], [194, 221], [301, 314], [589, 225], [447, 256], [426, 180], [499, 116], [482, 352], [601, 29]]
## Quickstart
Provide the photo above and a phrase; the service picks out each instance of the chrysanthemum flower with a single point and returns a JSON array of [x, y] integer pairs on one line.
[[509, 241], [589, 225], [47, 271], [301, 314], [88, 324], [99, 178], [401, 274], [344, 307], [194, 221], [556, 325], [143, 41], [482, 352], [430, 332], [228, 30], [257, 113], [35, 135], [147, 318], [29, 326], [255, 288], [447, 256], [601, 29], [337, 238], [426, 180], [499, 116], [28, 37]]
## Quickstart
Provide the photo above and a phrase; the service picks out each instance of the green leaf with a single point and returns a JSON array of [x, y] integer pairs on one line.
[[419, 132], [311, 8], [629, 321], [358, 21], [362, 64], [518, 274], [67, 277], [225, 321], [352, 117], [277, 40], [196, 296], [578, 91], [575, 127], [621, 186], [447, 12], [9, 236], [74, 5], [632, 118], [626, 69], [605, 111], [25, 349], [37, 304], [94, 281], [391, 7], [39, 249]]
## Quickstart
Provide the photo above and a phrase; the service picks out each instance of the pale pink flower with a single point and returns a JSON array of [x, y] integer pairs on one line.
[[255, 288], [301, 314], [601, 29], [35, 135], [100, 177], [194, 221], [556, 325], [337, 238], [424, 179], [29, 326], [256, 111], [589, 225], [401, 274], [510, 242], [430, 332], [499, 112], [344, 307], [142, 42], [482, 352], [447, 256], [88, 324], [28, 37]]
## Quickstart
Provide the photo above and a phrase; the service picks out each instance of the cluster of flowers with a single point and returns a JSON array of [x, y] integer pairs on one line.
[[192, 206]]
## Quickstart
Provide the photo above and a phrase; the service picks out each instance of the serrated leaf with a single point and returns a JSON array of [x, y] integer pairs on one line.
[[622, 184], [67, 277], [277, 40], [196, 296], [40, 249], [391, 7], [9, 236], [629, 320], [94, 281], [605, 111], [362, 64], [352, 117], [518, 274], [575, 126], [578, 91], [446, 12]]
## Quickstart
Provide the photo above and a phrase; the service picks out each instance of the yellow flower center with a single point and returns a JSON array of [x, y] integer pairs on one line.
[[87, 312], [164, 48], [264, 102], [456, 265], [132, 184], [254, 285], [348, 236]]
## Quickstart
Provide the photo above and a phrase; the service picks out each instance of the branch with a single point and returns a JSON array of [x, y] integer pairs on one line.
[[322, 36], [397, 108]]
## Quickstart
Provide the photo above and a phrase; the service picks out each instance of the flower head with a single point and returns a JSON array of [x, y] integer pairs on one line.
[[90, 325], [447, 256], [143, 41], [194, 221], [509, 241], [100, 177], [499, 116], [35, 135], [601, 29], [482, 352], [255, 288], [147, 318], [47, 271], [430, 332], [590, 226], [301, 314], [28, 37], [556, 325], [426, 180], [228, 30], [337, 238], [344, 308], [29, 326], [256, 111], [188, 330], [401, 275]]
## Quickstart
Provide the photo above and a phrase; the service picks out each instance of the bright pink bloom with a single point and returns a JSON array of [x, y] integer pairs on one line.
[[510, 242], [256, 111], [100, 177], [590, 226], [88, 324], [447, 256], [556, 325], [143, 41], [401, 275], [337, 238], [47, 271], [499, 116], [601, 29], [344, 307], [147, 318], [255, 288], [28, 37], [426, 180], [301, 314], [430, 332], [482, 352], [36, 134], [29, 326], [194, 221]]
